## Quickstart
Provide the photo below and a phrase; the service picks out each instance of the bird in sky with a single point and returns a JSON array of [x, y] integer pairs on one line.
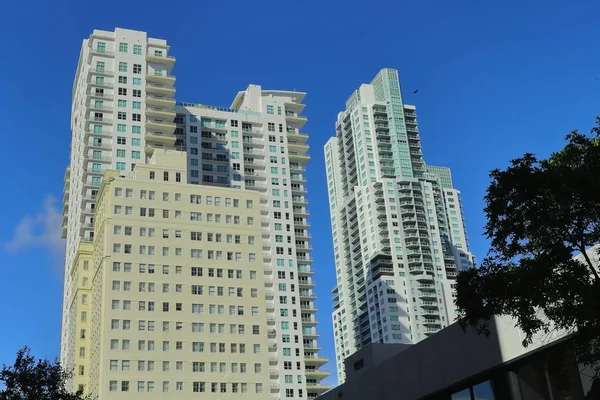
[[416, 91]]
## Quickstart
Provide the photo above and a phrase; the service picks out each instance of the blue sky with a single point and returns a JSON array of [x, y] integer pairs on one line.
[[495, 79]]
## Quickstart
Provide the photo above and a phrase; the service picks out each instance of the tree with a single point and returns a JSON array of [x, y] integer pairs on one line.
[[540, 213], [31, 380]]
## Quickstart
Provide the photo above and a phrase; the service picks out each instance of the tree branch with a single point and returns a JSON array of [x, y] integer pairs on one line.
[[589, 263]]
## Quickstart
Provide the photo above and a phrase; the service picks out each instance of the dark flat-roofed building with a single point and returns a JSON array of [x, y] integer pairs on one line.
[[462, 365]]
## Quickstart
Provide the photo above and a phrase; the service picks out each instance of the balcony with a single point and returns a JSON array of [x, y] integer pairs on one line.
[[164, 139], [293, 135], [161, 114], [310, 333], [93, 171], [100, 95], [294, 106], [91, 184], [93, 134], [254, 163], [160, 102], [100, 52], [316, 361], [310, 309], [252, 132], [251, 151], [166, 60], [318, 375], [316, 387], [165, 80], [101, 159], [160, 89], [301, 212], [310, 322], [161, 126], [299, 189], [101, 71], [294, 118], [306, 284], [99, 107], [305, 259], [98, 145], [298, 148], [299, 200], [307, 296], [101, 120], [93, 82]]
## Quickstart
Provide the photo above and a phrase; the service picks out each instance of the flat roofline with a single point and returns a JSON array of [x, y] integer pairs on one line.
[[217, 108], [299, 96], [110, 35]]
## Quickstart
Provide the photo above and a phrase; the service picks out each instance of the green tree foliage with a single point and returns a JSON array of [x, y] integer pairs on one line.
[[31, 380], [540, 213]]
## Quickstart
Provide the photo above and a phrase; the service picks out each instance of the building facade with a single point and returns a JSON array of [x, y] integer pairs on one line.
[[398, 231], [121, 103], [123, 111], [463, 365]]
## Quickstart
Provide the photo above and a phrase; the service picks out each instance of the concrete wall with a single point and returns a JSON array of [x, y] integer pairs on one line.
[[440, 361]]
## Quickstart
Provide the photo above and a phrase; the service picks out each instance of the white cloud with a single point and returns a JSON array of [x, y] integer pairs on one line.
[[39, 230]]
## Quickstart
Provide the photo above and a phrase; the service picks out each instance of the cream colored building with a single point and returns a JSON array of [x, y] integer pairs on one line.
[[79, 313], [178, 289]]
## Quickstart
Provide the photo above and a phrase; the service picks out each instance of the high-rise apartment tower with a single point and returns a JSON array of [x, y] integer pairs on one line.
[[165, 235], [398, 230]]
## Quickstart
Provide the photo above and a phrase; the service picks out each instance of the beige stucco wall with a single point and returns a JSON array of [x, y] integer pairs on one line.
[[106, 274]]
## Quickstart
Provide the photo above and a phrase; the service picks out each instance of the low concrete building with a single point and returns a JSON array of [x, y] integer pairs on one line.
[[459, 365]]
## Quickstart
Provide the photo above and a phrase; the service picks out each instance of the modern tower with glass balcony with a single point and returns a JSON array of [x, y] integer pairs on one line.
[[398, 231]]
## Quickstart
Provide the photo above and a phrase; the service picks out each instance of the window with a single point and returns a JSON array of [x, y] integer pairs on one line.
[[137, 81], [123, 47], [137, 68], [137, 93], [137, 49], [199, 387]]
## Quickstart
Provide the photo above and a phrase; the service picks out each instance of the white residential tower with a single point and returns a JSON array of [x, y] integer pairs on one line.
[[398, 231]]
